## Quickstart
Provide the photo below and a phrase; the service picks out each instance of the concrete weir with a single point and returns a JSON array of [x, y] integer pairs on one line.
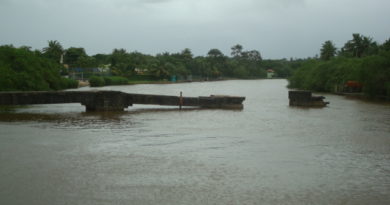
[[116, 100], [305, 99]]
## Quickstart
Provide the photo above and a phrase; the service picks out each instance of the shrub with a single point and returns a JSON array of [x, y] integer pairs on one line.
[[69, 83], [96, 81], [115, 80]]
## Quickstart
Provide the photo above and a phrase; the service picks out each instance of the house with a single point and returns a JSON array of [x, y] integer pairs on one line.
[[141, 71], [270, 73], [352, 86]]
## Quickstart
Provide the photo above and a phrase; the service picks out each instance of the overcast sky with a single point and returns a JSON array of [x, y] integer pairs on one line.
[[276, 28]]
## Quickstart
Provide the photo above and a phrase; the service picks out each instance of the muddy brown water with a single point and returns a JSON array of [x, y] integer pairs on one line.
[[267, 153]]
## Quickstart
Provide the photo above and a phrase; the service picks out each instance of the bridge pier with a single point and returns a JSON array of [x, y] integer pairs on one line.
[[107, 101], [305, 99]]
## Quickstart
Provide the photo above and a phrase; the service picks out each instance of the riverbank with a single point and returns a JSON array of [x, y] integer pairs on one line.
[[83, 83], [363, 97], [368, 74], [137, 82]]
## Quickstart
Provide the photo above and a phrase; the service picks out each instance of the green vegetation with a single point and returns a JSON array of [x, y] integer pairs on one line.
[[24, 70], [245, 64], [360, 60], [97, 81], [115, 80], [328, 50]]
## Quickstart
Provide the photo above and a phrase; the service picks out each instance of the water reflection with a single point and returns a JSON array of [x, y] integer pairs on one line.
[[87, 120]]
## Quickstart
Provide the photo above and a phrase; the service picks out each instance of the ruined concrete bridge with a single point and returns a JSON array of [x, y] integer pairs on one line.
[[116, 100]]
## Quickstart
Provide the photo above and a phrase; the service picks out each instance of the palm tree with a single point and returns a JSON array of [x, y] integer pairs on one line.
[[159, 70], [54, 50], [328, 50], [359, 45]]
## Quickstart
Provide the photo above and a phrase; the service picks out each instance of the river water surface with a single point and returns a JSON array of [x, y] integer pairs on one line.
[[267, 153]]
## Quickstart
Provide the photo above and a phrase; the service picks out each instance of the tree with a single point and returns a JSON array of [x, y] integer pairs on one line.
[[102, 59], [157, 69], [73, 55], [253, 55], [386, 45], [215, 53], [359, 46], [187, 54], [328, 50], [86, 62], [54, 51], [121, 63], [236, 51], [201, 67], [23, 70]]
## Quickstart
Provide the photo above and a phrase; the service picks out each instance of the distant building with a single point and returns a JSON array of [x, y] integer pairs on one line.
[[352, 86], [270, 73], [140, 71]]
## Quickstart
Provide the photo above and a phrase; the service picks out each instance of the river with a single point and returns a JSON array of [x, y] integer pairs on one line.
[[267, 153]]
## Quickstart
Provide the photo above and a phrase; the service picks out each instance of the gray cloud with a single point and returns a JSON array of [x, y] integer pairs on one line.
[[154, 1], [277, 28]]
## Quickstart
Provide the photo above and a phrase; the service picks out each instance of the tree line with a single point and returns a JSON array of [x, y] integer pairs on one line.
[[245, 64], [361, 60], [26, 69]]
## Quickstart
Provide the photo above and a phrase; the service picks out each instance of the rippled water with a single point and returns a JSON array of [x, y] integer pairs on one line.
[[268, 153]]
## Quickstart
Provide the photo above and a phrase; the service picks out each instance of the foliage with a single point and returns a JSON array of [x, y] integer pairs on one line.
[[96, 81], [78, 58], [375, 75], [115, 80], [328, 50], [69, 83], [41, 71], [359, 46], [282, 68], [236, 51], [24, 70], [361, 60], [326, 76], [330, 76], [102, 59], [54, 51], [386, 45], [142, 78]]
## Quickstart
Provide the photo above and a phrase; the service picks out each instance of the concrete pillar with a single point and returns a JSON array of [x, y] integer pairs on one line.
[[107, 101]]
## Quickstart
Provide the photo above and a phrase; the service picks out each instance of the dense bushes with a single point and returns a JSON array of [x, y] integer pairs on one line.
[[96, 81], [330, 76], [361, 60], [115, 80], [69, 83], [325, 76], [375, 75], [143, 78], [23, 70]]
